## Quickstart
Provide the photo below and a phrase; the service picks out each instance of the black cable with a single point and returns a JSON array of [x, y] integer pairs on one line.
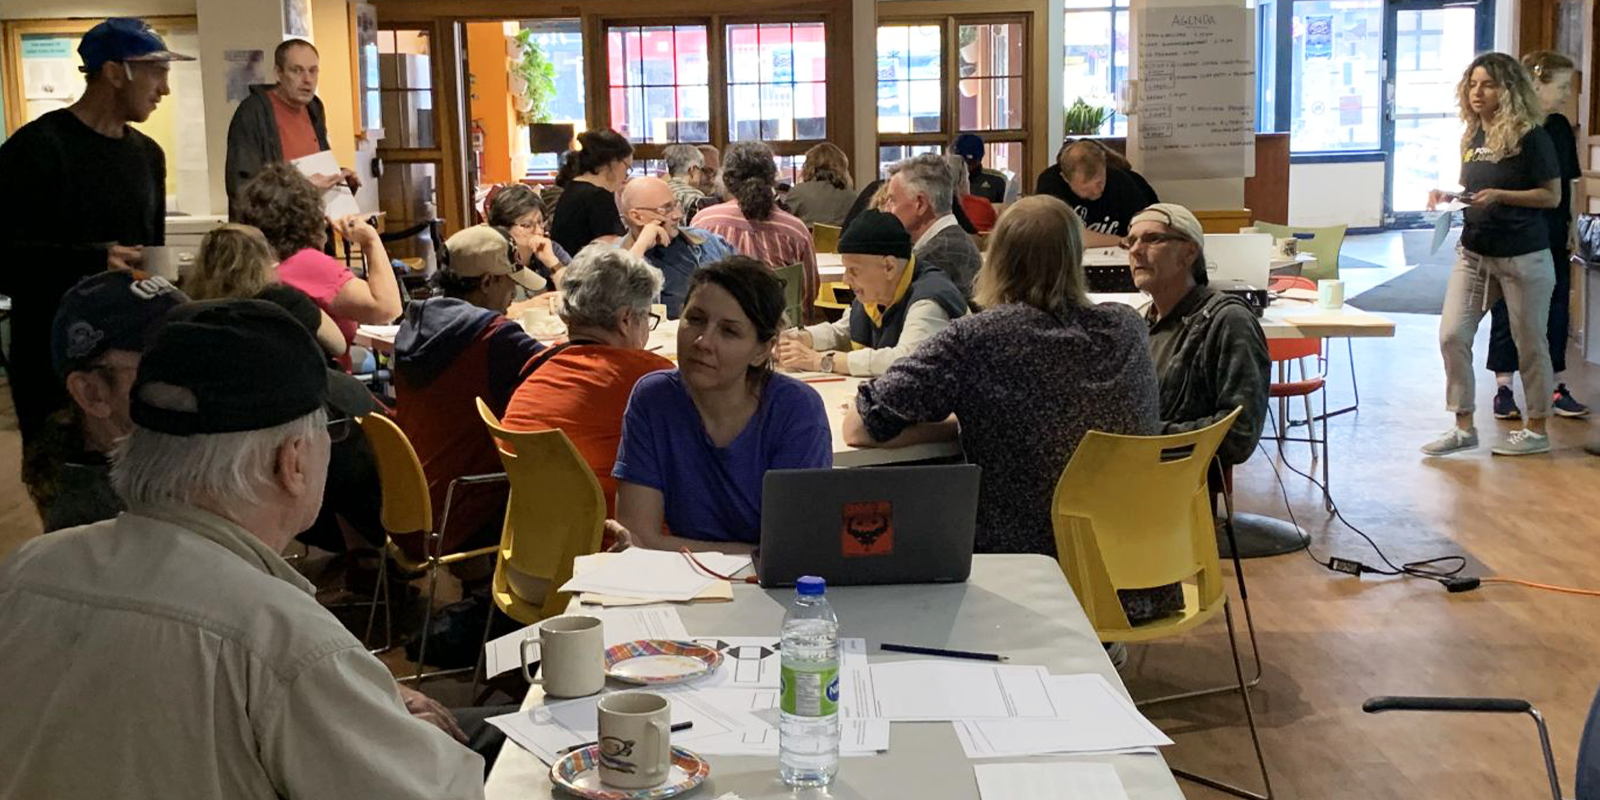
[[1429, 568]]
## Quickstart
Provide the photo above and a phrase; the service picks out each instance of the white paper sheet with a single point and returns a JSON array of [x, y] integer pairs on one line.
[[338, 201], [620, 625], [545, 730], [1091, 717], [1062, 781], [940, 691], [857, 737], [654, 574], [1441, 226]]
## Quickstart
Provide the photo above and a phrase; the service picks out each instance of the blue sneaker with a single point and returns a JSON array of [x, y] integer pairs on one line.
[[1562, 403], [1505, 404]]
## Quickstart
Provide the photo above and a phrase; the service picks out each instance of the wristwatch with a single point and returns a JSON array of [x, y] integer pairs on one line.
[[827, 361]]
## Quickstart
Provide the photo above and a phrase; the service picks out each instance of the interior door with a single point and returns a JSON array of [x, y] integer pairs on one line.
[[1430, 43]]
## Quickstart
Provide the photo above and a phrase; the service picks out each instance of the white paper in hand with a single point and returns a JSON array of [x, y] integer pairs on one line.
[[338, 201], [1441, 226]]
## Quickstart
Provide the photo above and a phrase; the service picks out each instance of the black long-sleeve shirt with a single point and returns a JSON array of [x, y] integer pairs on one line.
[[68, 192]]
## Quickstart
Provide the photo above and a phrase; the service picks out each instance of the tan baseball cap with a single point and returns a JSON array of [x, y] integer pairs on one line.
[[485, 250]]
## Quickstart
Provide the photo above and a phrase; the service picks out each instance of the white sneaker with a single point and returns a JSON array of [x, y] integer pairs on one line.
[[1452, 441], [1522, 443]]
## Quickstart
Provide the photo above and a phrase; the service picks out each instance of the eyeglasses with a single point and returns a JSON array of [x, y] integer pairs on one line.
[[655, 319], [672, 209], [339, 429], [1150, 240], [536, 225]]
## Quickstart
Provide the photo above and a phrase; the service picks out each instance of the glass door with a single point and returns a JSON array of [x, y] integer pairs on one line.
[[1431, 42]]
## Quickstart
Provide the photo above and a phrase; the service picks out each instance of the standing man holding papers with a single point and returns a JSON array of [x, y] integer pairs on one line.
[[281, 121], [87, 192]]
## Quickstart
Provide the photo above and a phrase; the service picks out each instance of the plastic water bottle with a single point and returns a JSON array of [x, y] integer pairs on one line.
[[808, 734]]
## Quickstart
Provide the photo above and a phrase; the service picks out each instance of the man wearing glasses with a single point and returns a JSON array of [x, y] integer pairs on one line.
[[655, 233], [1209, 351]]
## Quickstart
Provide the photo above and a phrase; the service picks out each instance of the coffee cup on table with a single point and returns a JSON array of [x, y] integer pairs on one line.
[[159, 261], [635, 739], [1330, 293], [571, 655]]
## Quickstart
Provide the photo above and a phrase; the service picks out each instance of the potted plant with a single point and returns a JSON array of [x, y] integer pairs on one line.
[[532, 80], [1083, 119]]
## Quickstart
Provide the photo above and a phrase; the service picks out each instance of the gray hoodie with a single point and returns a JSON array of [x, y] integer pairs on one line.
[[253, 137]]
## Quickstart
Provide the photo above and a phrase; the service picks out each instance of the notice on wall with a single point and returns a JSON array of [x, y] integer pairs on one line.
[[1197, 74]]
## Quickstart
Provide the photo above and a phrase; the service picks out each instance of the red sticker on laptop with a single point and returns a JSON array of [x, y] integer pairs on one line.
[[868, 530]]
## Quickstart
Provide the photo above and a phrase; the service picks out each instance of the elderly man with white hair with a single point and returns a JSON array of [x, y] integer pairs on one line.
[[656, 233], [920, 195], [691, 180], [170, 652]]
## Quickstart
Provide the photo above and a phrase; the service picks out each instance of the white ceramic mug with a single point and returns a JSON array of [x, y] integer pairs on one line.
[[635, 739], [161, 261], [1330, 293], [572, 656]]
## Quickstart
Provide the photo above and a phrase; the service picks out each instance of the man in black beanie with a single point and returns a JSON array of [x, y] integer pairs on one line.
[[898, 304]]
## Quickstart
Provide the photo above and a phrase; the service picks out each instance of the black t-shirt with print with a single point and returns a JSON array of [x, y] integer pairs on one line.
[[1125, 195], [989, 185], [1501, 230]]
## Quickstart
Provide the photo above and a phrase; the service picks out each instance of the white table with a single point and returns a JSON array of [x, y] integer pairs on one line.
[[1290, 318], [1018, 605]]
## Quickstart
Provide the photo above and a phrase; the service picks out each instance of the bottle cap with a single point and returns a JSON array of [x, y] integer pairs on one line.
[[810, 585]]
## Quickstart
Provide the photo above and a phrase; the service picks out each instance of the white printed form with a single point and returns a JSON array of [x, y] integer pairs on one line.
[[935, 691]]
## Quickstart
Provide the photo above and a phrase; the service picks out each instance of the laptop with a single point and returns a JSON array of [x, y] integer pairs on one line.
[[1242, 257], [868, 525]]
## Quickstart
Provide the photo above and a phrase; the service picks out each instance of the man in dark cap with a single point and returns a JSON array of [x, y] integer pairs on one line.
[[85, 192], [197, 660], [986, 183], [898, 304], [99, 334]]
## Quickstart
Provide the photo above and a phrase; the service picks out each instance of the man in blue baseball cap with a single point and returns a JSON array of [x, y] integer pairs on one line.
[[85, 193], [986, 183]]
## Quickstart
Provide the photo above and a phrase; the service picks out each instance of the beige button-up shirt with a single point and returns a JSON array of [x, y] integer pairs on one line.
[[170, 654]]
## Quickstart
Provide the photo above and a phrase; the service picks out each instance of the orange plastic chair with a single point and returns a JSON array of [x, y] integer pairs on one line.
[[1293, 352]]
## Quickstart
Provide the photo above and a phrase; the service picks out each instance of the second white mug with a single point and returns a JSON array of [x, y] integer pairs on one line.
[[572, 656]]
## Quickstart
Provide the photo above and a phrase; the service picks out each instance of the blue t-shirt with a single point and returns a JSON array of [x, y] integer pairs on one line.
[[714, 494]]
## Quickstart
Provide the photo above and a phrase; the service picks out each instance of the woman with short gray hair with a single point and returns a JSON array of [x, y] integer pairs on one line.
[[582, 386], [752, 221]]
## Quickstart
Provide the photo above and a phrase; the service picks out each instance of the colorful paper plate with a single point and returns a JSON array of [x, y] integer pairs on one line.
[[578, 772], [660, 661]]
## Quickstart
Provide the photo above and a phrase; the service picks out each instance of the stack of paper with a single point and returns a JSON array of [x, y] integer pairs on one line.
[[653, 576], [1089, 717], [620, 625], [1049, 782]]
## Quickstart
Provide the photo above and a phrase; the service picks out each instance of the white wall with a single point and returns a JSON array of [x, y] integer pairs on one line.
[[229, 25], [1331, 194], [1505, 25], [61, 9]]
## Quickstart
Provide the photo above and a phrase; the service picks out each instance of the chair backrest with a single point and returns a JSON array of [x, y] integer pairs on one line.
[[1322, 242], [1293, 349], [407, 507], [556, 511], [1133, 512], [825, 238], [1222, 220], [794, 287]]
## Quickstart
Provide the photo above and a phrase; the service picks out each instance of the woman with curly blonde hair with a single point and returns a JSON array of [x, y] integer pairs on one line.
[[236, 262], [1511, 178]]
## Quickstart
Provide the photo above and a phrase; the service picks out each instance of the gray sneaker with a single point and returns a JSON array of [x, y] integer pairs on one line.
[[1452, 441], [1522, 443]]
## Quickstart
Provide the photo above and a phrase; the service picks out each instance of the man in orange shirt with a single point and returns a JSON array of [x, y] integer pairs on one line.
[[281, 121], [582, 387]]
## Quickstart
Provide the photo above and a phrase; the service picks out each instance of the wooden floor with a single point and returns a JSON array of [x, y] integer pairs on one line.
[[1330, 641]]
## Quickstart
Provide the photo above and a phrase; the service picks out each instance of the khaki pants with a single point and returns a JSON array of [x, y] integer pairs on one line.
[[1477, 281]]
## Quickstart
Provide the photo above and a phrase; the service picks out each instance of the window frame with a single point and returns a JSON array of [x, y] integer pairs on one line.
[[950, 86], [1111, 9], [838, 131]]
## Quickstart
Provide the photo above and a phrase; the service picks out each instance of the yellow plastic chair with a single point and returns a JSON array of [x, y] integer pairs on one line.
[[1324, 243], [1134, 512], [1222, 220], [408, 510], [556, 513], [794, 287], [832, 295], [825, 238]]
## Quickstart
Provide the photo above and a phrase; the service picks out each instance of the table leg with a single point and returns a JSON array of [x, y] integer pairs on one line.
[[1260, 536]]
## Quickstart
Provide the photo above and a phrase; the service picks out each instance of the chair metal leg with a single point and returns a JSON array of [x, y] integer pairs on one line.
[[427, 622], [382, 588], [1250, 719], [1350, 353], [477, 671]]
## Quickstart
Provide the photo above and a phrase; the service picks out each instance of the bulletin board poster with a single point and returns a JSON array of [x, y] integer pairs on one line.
[[245, 68], [50, 76], [1196, 112], [1319, 37]]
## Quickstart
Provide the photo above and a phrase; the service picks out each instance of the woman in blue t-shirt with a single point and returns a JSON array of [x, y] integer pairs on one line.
[[697, 440], [1511, 177]]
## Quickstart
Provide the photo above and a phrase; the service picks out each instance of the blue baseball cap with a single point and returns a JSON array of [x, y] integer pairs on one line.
[[123, 39], [968, 146]]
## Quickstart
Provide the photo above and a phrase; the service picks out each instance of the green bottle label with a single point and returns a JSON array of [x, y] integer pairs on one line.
[[809, 692]]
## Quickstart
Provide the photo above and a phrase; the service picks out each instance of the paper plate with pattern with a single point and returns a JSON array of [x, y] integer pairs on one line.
[[660, 661], [578, 772]]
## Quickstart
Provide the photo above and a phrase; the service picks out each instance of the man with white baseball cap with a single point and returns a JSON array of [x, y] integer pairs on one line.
[[1210, 353]]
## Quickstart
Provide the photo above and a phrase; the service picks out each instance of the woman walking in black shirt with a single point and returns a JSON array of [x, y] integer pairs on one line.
[[1511, 177], [1552, 74]]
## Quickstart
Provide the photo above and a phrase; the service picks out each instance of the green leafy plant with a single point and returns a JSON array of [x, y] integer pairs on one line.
[[540, 77], [1081, 118]]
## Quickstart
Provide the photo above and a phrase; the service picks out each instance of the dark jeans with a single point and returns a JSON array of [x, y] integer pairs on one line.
[[1503, 351], [483, 738]]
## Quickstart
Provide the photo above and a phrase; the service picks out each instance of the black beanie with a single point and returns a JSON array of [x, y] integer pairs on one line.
[[876, 233]]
